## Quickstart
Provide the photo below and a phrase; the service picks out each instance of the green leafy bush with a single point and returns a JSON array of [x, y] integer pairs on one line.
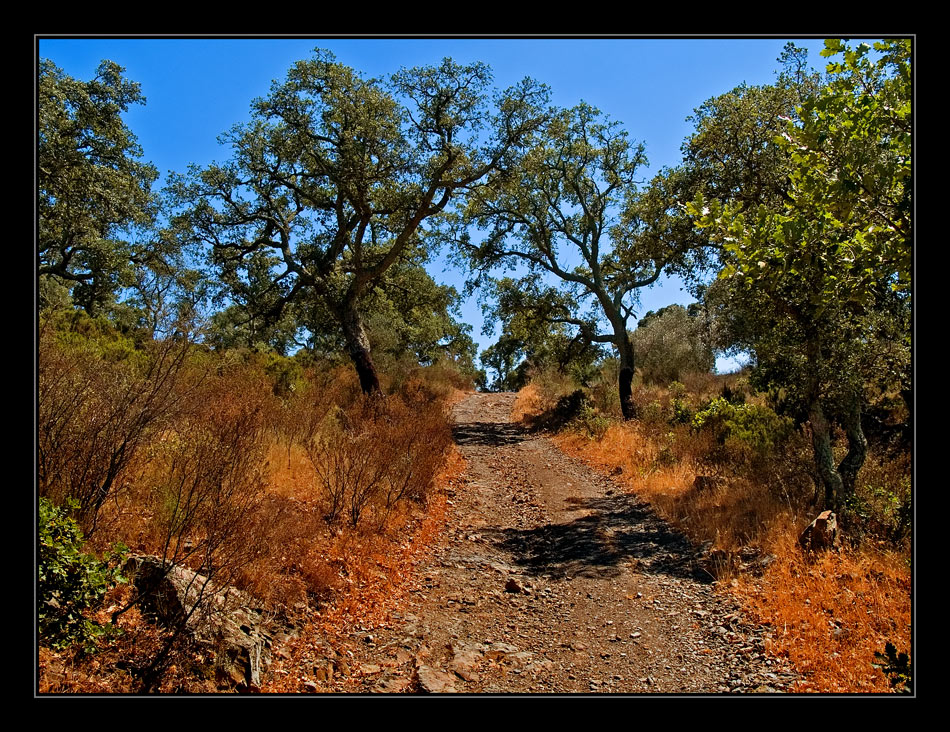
[[594, 425], [750, 425], [882, 504], [897, 668], [679, 408], [70, 581]]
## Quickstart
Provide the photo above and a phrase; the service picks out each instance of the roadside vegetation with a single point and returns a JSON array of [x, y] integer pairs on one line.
[[248, 373], [714, 459], [297, 489]]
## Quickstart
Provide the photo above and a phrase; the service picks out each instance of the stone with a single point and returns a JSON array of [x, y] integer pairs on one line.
[[433, 681], [820, 534], [224, 619], [512, 585], [464, 663], [397, 685]]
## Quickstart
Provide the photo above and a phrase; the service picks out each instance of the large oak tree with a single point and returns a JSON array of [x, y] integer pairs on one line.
[[331, 182], [93, 190], [818, 280], [571, 215]]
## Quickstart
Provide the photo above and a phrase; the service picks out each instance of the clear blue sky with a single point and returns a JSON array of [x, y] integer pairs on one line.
[[197, 88]]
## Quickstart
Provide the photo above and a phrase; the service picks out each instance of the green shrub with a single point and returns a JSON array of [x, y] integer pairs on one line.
[[897, 668], [594, 425], [70, 581], [881, 505], [749, 425], [680, 411]]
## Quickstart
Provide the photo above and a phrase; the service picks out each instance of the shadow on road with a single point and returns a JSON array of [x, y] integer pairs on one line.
[[621, 530], [486, 433]]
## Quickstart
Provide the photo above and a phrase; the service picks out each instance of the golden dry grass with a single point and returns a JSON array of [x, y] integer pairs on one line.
[[530, 402], [831, 613], [377, 573]]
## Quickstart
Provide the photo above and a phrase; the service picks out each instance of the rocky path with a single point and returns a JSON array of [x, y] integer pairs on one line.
[[552, 580]]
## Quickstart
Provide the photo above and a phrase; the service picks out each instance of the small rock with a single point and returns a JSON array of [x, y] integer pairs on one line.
[[820, 534], [393, 686], [512, 585], [433, 681]]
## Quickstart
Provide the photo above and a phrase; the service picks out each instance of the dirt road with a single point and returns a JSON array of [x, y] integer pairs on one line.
[[552, 580]]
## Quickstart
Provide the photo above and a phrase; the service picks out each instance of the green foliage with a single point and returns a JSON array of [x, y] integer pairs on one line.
[[882, 505], [751, 425], [897, 667], [844, 227], [594, 425], [321, 208], [670, 343], [681, 413], [286, 373], [816, 278], [731, 155], [535, 335], [93, 190], [570, 213], [71, 582]]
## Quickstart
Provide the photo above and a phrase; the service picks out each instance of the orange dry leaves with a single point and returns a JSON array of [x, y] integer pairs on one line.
[[830, 614]]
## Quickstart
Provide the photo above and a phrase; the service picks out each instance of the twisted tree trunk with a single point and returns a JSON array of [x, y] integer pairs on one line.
[[358, 348], [625, 380]]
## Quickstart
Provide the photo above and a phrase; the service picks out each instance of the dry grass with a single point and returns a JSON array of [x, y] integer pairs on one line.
[[831, 613], [733, 514], [375, 574], [229, 475]]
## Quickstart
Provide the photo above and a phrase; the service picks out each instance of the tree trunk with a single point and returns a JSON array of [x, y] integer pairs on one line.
[[857, 451], [357, 345], [625, 347], [824, 456]]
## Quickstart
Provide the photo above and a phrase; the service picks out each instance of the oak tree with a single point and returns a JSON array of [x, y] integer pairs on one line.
[[93, 191], [571, 215], [819, 281], [332, 181]]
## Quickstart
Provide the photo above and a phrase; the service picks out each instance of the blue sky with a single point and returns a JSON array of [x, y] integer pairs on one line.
[[197, 88]]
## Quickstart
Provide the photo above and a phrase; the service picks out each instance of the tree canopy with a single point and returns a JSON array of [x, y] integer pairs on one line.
[[536, 334], [673, 341], [817, 279], [93, 189], [331, 182], [571, 214]]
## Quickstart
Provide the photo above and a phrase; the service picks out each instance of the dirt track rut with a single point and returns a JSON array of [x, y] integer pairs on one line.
[[551, 579]]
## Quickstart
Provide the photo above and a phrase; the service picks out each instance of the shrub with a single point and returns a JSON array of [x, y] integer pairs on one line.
[[896, 667], [594, 425], [208, 475], [70, 581], [881, 506], [378, 453], [95, 415], [749, 425], [681, 413]]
